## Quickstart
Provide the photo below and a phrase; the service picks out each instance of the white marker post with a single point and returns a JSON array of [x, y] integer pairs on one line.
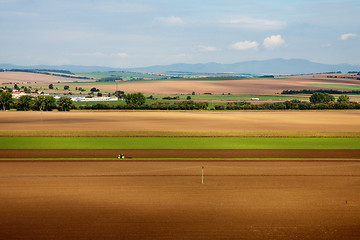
[[202, 174]]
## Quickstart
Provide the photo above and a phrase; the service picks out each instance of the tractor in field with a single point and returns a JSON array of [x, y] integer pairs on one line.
[[121, 156]]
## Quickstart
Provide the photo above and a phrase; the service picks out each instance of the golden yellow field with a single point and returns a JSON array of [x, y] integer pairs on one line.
[[24, 78]]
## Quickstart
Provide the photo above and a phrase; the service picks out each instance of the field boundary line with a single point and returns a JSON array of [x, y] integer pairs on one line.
[[177, 159], [279, 168]]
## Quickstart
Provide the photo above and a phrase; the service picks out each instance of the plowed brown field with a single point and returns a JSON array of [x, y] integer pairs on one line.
[[181, 153], [123, 200]]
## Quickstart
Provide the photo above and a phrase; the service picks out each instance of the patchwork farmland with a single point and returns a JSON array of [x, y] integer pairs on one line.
[[251, 175]]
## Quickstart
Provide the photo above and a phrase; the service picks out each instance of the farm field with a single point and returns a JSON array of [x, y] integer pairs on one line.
[[182, 123], [250, 86], [267, 175], [24, 78], [166, 200], [179, 143]]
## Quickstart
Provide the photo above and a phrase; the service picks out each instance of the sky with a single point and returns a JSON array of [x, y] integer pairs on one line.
[[139, 33]]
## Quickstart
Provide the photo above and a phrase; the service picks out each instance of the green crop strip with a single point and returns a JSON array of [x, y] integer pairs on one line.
[[339, 86], [177, 143]]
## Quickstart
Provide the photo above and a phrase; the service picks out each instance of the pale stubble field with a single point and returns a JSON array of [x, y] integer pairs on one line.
[[237, 123]]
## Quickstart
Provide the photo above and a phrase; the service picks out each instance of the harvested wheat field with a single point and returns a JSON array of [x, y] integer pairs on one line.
[[278, 123], [139, 200], [24, 78], [245, 86]]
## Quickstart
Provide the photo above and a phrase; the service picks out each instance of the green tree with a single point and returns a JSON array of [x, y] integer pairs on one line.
[[120, 94], [135, 99], [319, 97], [343, 99], [5, 100], [24, 102], [64, 104], [66, 87], [44, 103], [51, 86]]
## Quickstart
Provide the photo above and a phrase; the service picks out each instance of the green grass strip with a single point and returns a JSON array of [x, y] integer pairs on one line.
[[177, 143], [339, 86]]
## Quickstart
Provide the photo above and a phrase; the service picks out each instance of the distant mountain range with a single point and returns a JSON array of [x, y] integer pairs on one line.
[[273, 66]]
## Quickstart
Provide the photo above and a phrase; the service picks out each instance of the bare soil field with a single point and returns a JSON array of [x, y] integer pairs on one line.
[[247, 86], [139, 200], [23, 78], [181, 153], [279, 123]]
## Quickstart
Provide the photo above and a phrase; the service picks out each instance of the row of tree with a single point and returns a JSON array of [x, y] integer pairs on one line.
[[39, 103], [330, 91], [318, 100], [287, 105]]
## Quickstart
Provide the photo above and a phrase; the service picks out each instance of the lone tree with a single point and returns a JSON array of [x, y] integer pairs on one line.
[[135, 99], [44, 103], [319, 97], [5, 100], [23, 104], [64, 104], [66, 87], [343, 99], [51, 86], [120, 94]]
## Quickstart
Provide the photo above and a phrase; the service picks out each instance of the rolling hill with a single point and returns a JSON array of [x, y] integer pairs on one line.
[[273, 66]]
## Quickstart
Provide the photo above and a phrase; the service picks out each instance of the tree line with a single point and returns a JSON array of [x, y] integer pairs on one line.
[[318, 100], [330, 91], [39, 103]]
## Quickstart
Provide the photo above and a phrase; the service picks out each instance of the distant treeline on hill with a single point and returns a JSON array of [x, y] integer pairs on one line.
[[109, 79], [214, 78], [57, 73], [330, 91]]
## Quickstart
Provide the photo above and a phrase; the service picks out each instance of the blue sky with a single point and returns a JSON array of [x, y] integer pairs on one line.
[[155, 32]]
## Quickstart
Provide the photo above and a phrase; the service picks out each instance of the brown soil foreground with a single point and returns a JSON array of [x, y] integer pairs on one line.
[[153, 200], [181, 153]]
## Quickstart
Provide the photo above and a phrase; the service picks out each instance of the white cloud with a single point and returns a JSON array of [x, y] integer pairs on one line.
[[170, 20], [99, 54], [122, 55], [347, 36], [273, 42], [207, 48], [254, 23], [245, 45], [94, 54]]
